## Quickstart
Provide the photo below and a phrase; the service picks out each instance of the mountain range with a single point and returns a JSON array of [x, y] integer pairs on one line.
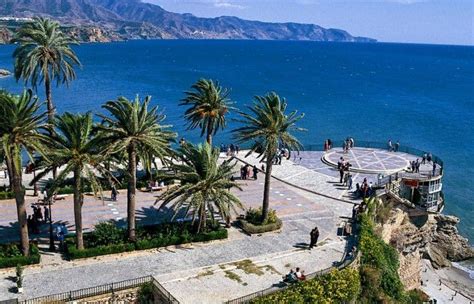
[[112, 20]]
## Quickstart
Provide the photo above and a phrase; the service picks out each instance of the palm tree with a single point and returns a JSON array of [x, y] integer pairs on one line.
[[267, 127], [21, 129], [44, 55], [136, 130], [209, 103], [75, 146], [205, 185]]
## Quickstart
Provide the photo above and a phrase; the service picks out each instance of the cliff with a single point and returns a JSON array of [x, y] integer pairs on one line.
[[112, 20], [417, 235]]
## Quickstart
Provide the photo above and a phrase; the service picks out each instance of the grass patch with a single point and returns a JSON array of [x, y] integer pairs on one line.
[[248, 267], [205, 273], [233, 276]]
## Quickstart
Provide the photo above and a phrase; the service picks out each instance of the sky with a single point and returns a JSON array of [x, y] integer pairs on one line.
[[411, 21]]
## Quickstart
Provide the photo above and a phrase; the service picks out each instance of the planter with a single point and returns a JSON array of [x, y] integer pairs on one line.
[[257, 229]]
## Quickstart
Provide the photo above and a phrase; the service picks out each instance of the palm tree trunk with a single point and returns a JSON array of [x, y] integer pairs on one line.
[[78, 208], [50, 106], [209, 133], [202, 219], [16, 181], [266, 189], [132, 185]]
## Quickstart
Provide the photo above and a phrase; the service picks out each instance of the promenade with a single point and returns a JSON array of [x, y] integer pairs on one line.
[[305, 192]]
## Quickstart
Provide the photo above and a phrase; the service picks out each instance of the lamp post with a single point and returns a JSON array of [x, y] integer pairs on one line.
[[52, 248]]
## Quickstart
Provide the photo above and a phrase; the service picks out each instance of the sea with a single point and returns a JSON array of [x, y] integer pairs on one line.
[[421, 95]]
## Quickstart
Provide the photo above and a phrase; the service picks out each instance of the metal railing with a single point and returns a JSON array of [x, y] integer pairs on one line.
[[375, 145], [64, 297]]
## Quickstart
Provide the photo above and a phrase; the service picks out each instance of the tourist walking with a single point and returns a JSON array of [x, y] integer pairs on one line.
[[314, 235], [349, 181], [397, 146], [114, 193], [341, 174], [329, 144], [423, 160], [417, 166]]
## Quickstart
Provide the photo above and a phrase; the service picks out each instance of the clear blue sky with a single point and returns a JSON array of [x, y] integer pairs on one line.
[[416, 21]]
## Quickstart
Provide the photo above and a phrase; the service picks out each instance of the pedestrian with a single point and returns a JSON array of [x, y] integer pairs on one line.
[[255, 172], [413, 165], [397, 146], [325, 146], [434, 168], [60, 237], [329, 144], [237, 149], [389, 145], [114, 193], [429, 158], [417, 166], [263, 168], [349, 181], [341, 174], [351, 140], [314, 237], [46, 214], [423, 160]]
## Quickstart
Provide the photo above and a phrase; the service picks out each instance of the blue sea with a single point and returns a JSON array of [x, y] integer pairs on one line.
[[422, 95]]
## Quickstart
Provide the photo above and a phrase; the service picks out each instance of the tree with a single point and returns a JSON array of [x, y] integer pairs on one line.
[[204, 184], [44, 55], [76, 147], [22, 127], [209, 103], [267, 128], [137, 130]]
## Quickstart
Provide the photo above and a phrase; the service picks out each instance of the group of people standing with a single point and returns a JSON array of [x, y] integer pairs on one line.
[[230, 150], [247, 170], [365, 190], [348, 144], [345, 176], [34, 221], [393, 147]]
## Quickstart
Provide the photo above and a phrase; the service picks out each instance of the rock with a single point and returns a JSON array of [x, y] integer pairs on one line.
[[437, 257], [4, 73]]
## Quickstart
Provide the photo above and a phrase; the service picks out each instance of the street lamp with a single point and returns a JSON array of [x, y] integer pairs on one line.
[[52, 248]]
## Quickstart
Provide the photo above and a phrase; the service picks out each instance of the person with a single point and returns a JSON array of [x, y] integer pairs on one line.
[[349, 181], [429, 158], [60, 237], [413, 165], [114, 193], [351, 140], [290, 277], [341, 174], [340, 162], [314, 237], [182, 141], [423, 160], [434, 168], [397, 146], [29, 222], [417, 166], [46, 214], [300, 274], [329, 144], [237, 149], [325, 145], [389, 144], [255, 172]]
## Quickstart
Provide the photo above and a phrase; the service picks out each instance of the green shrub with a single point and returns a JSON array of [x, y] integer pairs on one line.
[[105, 233], [254, 216], [6, 195], [337, 286], [146, 294], [108, 239], [14, 257], [255, 229], [378, 260]]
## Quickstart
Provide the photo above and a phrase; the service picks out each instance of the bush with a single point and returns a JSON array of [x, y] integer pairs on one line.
[[337, 286], [255, 229], [105, 233], [10, 256], [146, 294], [379, 265], [6, 195], [254, 216], [108, 239]]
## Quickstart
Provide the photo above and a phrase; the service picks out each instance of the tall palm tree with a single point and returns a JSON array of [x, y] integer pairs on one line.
[[134, 128], [21, 129], [205, 184], [44, 55], [209, 103], [267, 127], [76, 147]]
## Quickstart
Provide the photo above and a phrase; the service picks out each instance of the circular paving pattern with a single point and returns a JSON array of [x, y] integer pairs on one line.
[[368, 160]]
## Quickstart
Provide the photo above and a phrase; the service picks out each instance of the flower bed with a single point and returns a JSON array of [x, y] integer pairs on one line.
[[108, 239], [252, 225], [10, 255]]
